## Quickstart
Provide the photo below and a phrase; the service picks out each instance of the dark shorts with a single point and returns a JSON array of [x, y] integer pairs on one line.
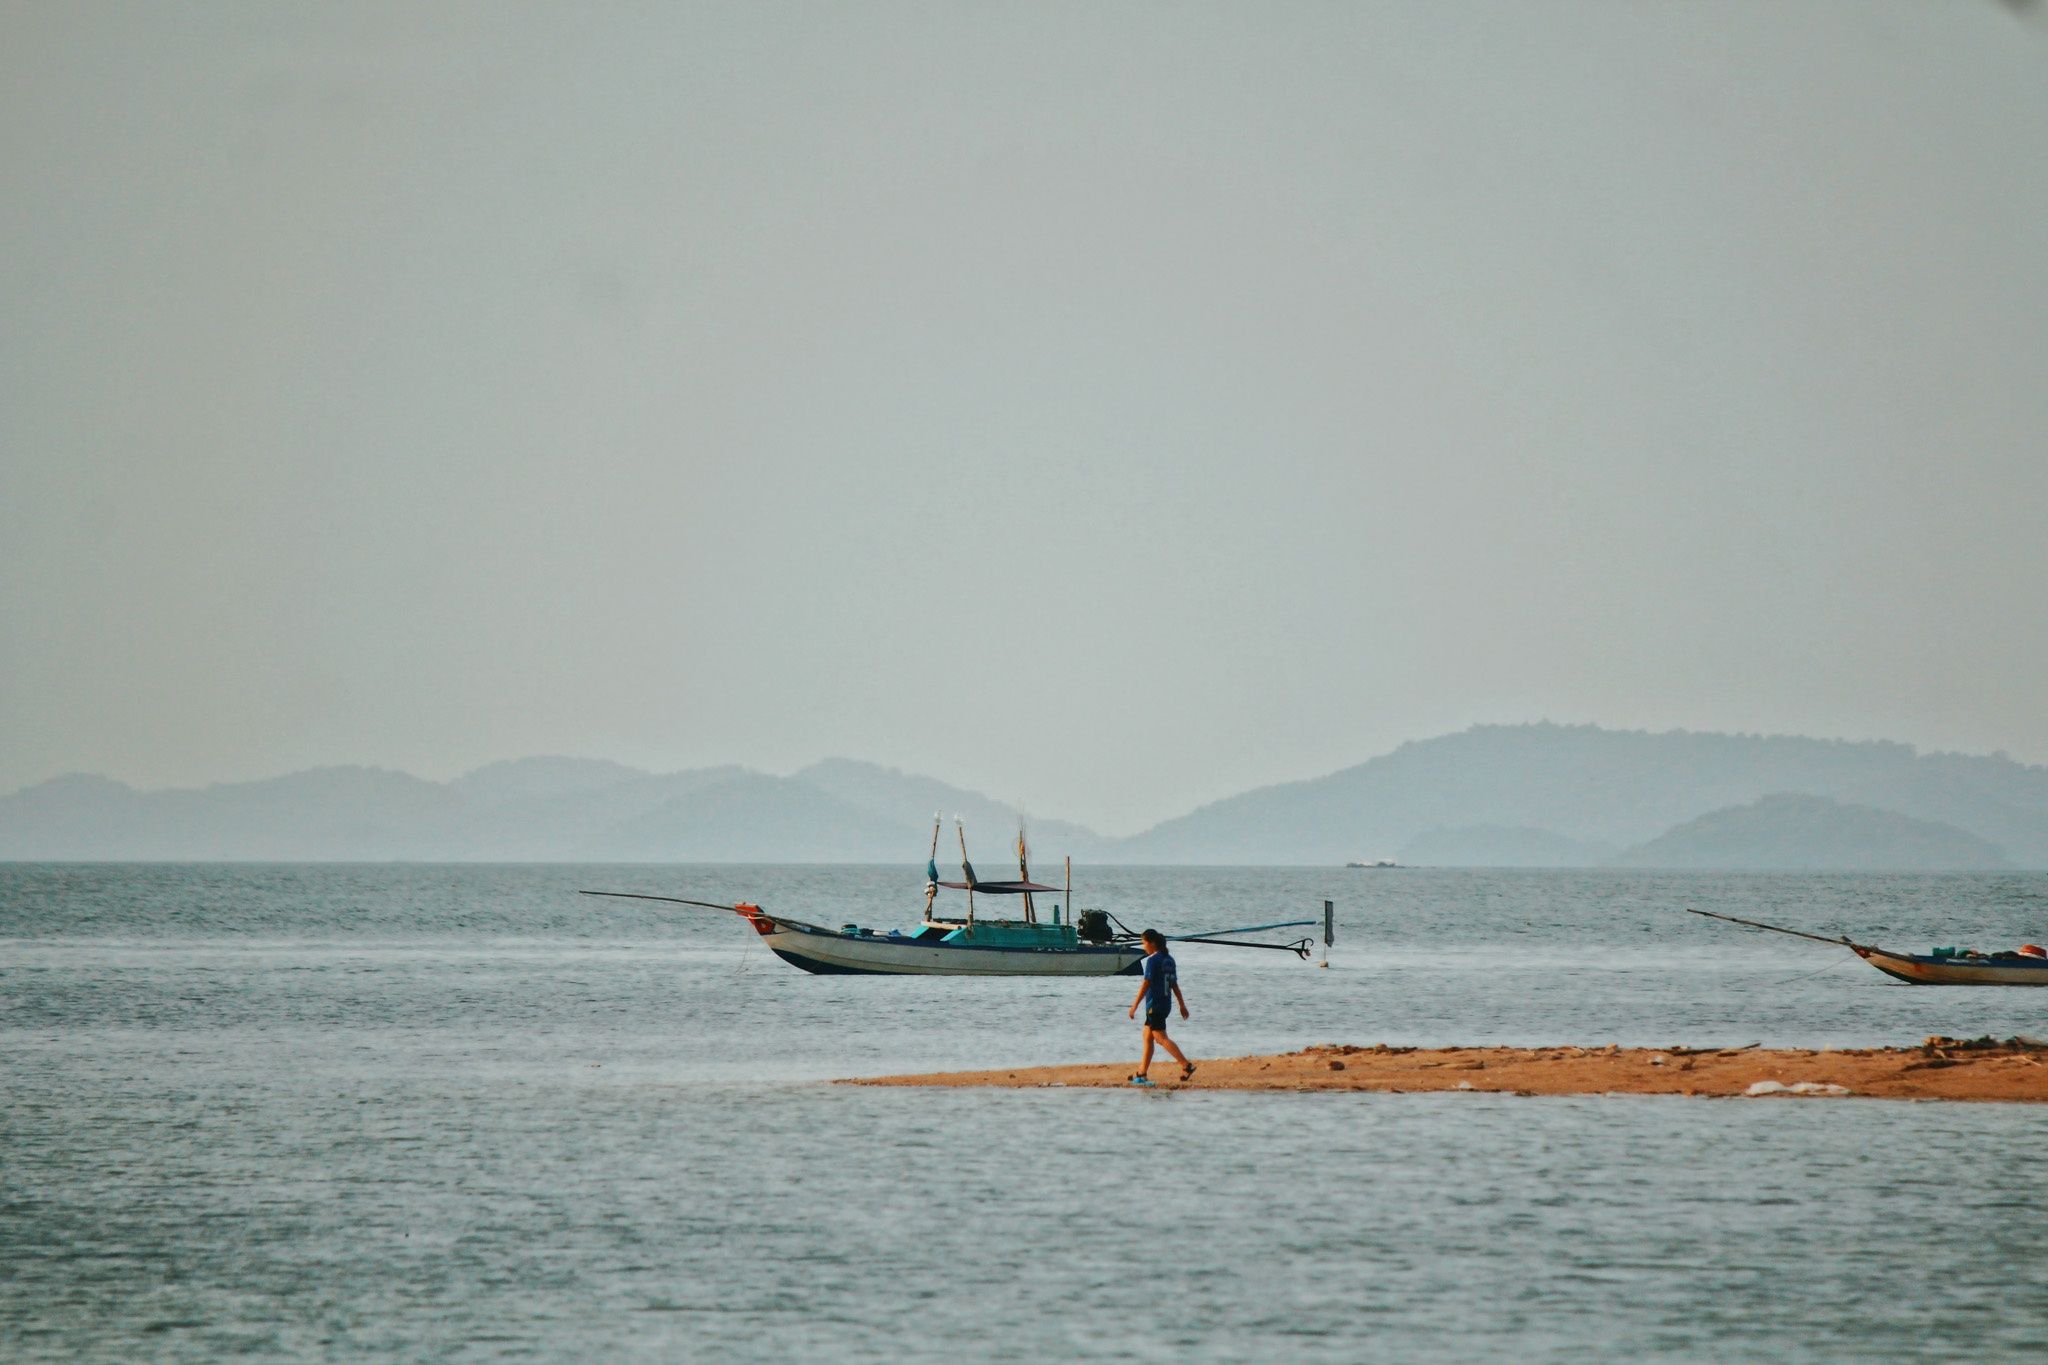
[[1156, 1019]]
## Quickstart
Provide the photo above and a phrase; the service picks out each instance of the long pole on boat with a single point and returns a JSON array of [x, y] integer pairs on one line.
[[931, 869], [966, 868], [1024, 874], [1070, 889], [1753, 924], [672, 900], [1329, 929]]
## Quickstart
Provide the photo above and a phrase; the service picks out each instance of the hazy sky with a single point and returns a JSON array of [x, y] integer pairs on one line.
[[1110, 407]]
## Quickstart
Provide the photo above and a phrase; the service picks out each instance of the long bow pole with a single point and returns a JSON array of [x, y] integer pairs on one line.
[[1842, 942], [672, 900]]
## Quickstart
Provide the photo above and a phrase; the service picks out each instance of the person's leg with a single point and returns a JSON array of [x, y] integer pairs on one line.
[[1145, 1062], [1164, 1042]]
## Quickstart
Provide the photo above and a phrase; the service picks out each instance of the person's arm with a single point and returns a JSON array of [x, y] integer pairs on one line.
[[1144, 984], [1182, 998]]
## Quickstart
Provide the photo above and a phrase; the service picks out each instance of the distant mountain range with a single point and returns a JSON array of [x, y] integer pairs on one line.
[[1787, 832], [1522, 795], [524, 810], [1557, 795]]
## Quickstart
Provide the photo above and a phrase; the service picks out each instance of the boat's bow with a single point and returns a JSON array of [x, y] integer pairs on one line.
[[1923, 970]]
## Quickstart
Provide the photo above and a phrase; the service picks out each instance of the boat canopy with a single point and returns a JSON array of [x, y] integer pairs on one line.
[[998, 888]]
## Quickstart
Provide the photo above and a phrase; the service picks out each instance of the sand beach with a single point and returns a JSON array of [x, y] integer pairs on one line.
[[1984, 1069]]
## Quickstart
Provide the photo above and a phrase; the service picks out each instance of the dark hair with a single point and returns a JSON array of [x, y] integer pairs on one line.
[[1154, 937]]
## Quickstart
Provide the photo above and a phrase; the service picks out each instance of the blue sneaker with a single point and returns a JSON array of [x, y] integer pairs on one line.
[[1140, 1080]]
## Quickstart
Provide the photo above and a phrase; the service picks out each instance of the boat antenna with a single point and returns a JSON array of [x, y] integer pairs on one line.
[[966, 868], [1024, 872], [931, 868]]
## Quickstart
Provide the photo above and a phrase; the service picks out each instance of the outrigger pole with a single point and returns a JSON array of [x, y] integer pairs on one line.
[[1300, 947]]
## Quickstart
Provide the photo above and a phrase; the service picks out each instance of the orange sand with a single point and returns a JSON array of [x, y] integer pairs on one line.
[[1941, 1069]]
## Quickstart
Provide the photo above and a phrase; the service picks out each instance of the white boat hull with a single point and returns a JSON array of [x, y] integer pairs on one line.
[[825, 952]]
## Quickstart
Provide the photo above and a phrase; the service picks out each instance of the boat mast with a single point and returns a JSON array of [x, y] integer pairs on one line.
[[931, 869], [1070, 889], [966, 868], [1024, 874]]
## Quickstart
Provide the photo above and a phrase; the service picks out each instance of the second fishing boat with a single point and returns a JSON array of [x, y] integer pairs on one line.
[[1942, 967]]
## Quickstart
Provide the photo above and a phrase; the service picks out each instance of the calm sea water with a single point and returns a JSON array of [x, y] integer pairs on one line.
[[452, 1113]]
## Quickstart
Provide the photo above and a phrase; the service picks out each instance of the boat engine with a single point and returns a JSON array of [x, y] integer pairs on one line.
[[1093, 927]]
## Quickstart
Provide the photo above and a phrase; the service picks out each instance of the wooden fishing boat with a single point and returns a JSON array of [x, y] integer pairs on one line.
[[1976, 969], [1090, 944], [1941, 968]]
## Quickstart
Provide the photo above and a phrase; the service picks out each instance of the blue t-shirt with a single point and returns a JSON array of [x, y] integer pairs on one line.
[[1159, 982]]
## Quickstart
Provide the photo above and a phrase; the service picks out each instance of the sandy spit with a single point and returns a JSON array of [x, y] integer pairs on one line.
[[1940, 1069]]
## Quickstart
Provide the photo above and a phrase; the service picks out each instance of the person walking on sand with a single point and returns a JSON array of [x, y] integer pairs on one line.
[[1159, 993]]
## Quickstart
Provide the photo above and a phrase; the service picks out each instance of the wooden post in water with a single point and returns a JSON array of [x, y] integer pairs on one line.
[[1329, 929]]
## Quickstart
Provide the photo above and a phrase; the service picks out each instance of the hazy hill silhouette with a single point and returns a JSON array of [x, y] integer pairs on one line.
[[535, 809], [1607, 789], [1491, 795], [905, 798], [1785, 832]]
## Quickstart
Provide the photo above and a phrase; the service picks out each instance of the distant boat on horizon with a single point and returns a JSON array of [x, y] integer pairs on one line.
[[1376, 862]]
